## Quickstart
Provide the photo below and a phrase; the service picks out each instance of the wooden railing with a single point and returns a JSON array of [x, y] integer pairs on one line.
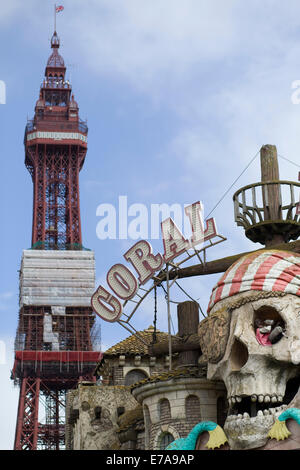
[[255, 204]]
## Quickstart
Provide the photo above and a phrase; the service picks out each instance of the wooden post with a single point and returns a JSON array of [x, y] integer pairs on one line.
[[187, 347], [271, 193], [188, 318], [188, 321]]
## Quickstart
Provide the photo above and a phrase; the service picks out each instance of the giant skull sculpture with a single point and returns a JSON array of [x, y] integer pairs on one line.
[[251, 341]]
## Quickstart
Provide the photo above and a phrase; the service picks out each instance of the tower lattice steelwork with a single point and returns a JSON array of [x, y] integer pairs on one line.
[[56, 335]]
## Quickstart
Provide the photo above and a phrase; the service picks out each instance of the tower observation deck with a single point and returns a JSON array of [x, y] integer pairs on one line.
[[57, 340]]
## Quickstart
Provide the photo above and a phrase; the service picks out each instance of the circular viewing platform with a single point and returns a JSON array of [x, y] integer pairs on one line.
[[268, 211]]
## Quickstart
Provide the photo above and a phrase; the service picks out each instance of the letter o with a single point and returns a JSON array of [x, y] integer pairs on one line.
[[122, 282]]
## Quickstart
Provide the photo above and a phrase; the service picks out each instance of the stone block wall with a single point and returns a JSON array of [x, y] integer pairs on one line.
[[176, 406], [119, 366], [92, 416]]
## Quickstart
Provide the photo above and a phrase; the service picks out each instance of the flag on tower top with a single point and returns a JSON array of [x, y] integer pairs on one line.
[[59, 8]]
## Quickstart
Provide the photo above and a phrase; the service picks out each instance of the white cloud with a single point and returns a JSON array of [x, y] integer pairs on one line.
[[8, 399], [140, 40], [224, 69], [6, 295], [160, 46]]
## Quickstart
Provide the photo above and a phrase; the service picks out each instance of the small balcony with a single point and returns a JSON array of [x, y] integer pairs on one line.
[[269, 211], [56, 124], [55, 83]]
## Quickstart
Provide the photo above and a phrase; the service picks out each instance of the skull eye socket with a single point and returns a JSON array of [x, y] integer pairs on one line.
[[239, 355], [268, 325]]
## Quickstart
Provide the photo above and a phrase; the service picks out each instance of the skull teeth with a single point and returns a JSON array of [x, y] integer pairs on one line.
[[260, 398], [254, 405], [261, 413]]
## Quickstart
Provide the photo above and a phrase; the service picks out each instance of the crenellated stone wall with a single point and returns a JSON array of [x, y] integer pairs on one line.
[[178, 417]]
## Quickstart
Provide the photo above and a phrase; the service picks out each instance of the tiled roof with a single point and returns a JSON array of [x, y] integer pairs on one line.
[[133, 345], [196, 371]]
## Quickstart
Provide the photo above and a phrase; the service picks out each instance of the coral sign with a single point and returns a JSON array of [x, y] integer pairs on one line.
[[124, 283]]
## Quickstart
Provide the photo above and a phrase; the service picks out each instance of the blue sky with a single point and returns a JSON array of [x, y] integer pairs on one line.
[[179, 97]]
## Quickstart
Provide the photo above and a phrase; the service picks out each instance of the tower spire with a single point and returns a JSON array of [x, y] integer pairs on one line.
[[57, 132], [54, 341]]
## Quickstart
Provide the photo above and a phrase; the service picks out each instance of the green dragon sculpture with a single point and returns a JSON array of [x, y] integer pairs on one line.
[[279, 431], [217, 437]]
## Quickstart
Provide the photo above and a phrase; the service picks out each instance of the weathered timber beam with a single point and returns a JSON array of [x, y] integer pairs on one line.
[[222, 264], [163, 348]]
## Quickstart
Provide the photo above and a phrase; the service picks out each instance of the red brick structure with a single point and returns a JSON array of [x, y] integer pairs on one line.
[[55, 336]]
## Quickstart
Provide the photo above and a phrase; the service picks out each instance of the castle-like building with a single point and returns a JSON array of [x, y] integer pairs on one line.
[[138, 402], [233, 379]]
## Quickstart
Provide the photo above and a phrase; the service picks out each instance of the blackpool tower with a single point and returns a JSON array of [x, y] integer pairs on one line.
[[55, 339]]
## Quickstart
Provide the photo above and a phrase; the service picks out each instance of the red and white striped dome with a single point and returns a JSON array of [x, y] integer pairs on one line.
[[265, 270]]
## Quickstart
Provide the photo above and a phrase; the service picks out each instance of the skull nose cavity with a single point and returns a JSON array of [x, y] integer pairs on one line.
[[238, 356]]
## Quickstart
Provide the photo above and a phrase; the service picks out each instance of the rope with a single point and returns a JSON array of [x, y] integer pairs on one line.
[[252, 297], [290, 161], [190, 298], [155, 316], [225, 194], [166, 298]]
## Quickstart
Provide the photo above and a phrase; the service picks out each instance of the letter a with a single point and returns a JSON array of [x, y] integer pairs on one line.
[[173, 239]]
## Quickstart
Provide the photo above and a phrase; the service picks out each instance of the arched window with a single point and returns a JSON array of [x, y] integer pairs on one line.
[[164, 440], [165, 436], [134, 376], [164, 410], [192, 407]]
